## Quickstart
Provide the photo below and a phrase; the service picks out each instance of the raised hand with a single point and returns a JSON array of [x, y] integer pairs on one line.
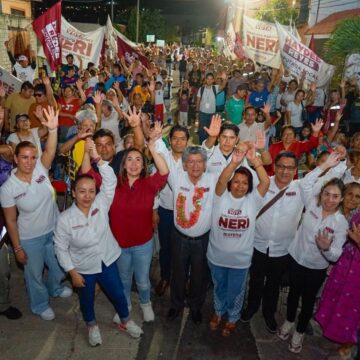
[[266, 108], [51, 120], [155, 133], [341, 150], [133, 118], [79, 83], [97, 97], [332, 160], [251, 153], [260, 139], [116, 85], [2, 90], [89, 145], [46, 80], [323, 239], [338, 115], [342, 83], [215, 125], [237, 156], [39, 112], [317, 126], [354, 233], [242, 146], [84, 133]]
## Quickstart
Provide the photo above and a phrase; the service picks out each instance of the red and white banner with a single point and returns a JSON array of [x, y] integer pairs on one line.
[[298, 58], [10, 82], [126, 49], [48, 30], [86, 45]]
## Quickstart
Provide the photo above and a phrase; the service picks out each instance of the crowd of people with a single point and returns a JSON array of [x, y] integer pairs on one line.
[[255, 187]]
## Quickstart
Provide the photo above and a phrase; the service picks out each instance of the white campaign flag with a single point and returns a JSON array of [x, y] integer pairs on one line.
[[297, 58], [87, 45], [260, 42], [10, 82]]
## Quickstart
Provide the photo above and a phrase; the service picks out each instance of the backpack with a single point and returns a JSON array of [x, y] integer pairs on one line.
[[202, 89]]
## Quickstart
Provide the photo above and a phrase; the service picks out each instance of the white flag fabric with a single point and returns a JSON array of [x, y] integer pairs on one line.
[[260, 42], [297, 58], [10, 82]]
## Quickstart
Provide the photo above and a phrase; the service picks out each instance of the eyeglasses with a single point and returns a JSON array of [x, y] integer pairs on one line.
[[38, 95], [283, 167], [193, 162]]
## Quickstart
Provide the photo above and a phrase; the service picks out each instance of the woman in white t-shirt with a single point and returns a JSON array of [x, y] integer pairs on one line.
[[28, 191], [25, 133], [232, 234]]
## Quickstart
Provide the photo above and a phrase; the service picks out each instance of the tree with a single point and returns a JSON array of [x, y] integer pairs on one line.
[[278, 10], [151, 23], [343, 41]]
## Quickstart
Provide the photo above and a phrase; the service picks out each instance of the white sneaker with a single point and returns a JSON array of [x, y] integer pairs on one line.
[[48, 314], [148, 312], [67, 292], [131, 328], [94, 336], [116, 318], [295, 345], [284, 330]]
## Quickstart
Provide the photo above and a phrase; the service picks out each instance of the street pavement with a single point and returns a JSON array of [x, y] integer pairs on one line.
[[65, 338]]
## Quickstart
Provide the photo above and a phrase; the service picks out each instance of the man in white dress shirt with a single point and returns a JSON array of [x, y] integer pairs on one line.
[[275, 229]]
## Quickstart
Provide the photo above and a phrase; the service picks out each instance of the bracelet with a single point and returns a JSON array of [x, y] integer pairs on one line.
[[17, 249], [52, 130]]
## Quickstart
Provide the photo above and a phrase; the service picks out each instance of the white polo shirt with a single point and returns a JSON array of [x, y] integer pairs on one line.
[[231, 241], [248, 133], [84, 242], [303, 248], [182, 186], [35, 202]]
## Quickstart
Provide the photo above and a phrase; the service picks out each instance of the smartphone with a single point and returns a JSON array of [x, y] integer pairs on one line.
[[335, 107]]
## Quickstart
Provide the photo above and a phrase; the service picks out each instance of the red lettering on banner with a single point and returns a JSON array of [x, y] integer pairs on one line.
[[258, 43], [77, 46]]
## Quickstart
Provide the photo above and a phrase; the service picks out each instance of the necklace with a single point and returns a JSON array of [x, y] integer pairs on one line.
[[181, 218]]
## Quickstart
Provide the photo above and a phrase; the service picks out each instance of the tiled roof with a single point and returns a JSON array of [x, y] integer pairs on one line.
[[327, 25]]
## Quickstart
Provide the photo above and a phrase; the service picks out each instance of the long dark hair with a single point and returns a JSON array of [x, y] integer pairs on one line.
[[123, 173]]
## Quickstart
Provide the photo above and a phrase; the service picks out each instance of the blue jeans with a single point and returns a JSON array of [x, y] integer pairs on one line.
[[136, 260], [40, 251], [110, 282], [229, 290], [204, 120]]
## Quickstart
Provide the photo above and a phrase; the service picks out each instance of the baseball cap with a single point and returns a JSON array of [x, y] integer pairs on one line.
[[22, 58]]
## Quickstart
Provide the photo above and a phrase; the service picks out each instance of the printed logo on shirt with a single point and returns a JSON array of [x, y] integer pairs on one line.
[[234, 211], [41, 179], [329, 230], [94, 212], [17, 197], [234, 223], [206, 189], [216, 163], [313, 214], [76, 227], [291, 193], [184, 188]]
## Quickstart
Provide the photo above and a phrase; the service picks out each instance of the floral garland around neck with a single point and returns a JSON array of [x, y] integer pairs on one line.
[[194, 215]]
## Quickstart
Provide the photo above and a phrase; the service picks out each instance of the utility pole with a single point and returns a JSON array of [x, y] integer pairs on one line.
[[112, 10], [137, 20]]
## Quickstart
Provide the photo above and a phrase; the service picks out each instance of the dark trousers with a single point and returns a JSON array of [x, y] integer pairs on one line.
[[204, 120], [305, 284], [110, 281], [165, 229], [189, 252], [264, 283]]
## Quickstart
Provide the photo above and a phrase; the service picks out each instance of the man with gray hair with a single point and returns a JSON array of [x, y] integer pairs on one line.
[[193, 191]]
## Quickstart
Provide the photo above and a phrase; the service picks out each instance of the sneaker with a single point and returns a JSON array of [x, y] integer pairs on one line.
[[284, 330], [148, 312], [116, 318], [247, 315], [94, 336], [295, 345], [131, 328], [48, 314], [271, 324], [66, 292], [12, 313]]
